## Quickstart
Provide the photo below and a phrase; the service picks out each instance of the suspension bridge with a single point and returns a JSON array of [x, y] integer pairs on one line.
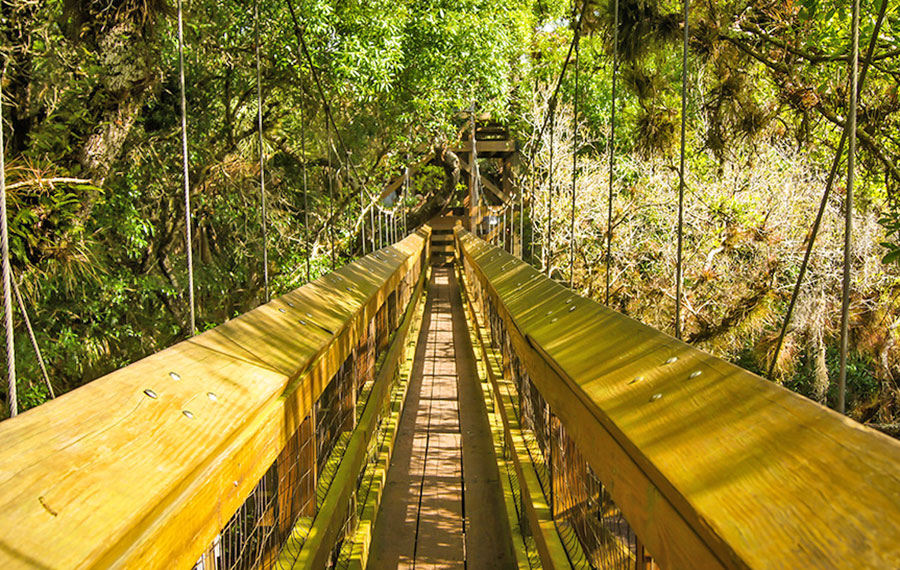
[[441, 403], [405, 411]]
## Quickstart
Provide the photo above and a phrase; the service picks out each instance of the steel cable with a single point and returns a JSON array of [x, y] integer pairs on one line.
[[262, 157], [12, 396], [829, 184], [612, 149], [679, 269]]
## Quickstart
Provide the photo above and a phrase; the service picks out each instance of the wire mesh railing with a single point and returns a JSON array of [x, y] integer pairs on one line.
[[270, 528], [593, 530]]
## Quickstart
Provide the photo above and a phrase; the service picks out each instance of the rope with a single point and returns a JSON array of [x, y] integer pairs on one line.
[[829, 184], [612, 148], [574, 165], [305, 191], [186, 175], [7, 294], [262, 157], [679, 276], [848, 211], [32, 338]]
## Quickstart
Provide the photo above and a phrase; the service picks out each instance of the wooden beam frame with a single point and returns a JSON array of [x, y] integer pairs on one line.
[[144, 467], [712, 466]]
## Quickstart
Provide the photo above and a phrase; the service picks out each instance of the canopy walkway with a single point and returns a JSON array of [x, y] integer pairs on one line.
[[406, 412]]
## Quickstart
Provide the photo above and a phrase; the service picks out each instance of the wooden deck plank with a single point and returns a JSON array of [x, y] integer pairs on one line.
[[427, 480]]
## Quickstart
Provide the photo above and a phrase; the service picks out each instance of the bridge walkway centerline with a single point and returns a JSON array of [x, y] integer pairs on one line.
[[443, 505]]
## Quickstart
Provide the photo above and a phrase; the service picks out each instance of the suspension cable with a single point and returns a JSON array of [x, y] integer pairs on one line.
[[549, 237], [32, 337], [186, 175], [680, 247], [329, 117], [521, 222], [262, 156], [12, 396], [848, 209], [612, 149], [829, 184], [405, 195], [330, 193], [303, 125], [574, 163]]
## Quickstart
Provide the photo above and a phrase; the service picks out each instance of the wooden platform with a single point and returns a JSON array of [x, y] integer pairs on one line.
[[442, 507]]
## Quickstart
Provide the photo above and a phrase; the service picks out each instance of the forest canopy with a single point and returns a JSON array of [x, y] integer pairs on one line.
[[91, 118]]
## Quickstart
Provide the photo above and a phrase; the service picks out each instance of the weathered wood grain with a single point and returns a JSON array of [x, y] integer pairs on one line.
[[716, 469]]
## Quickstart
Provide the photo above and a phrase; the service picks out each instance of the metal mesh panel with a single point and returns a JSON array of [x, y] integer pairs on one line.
[[583, 505], [335, 411], [253, 536], [365, 357], [382, 330], [601, 538]]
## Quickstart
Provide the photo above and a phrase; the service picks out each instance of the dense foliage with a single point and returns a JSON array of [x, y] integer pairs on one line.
[[91, 115]]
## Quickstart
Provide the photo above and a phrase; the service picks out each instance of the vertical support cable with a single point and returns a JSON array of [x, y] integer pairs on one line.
[[7, 288], [531, 212], [829, 184], [612, 149], [521, 222], [362, 208], [848, 209], [185, 174], [330, 194], [475, 206], [680, 247], [405, 194], [406, 190], [372, 226], [549, 238], [262, 157], [574, 160], [37, 349], [305, 191]]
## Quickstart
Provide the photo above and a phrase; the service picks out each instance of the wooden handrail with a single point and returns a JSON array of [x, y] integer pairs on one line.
[[116, 474], [713, 466]]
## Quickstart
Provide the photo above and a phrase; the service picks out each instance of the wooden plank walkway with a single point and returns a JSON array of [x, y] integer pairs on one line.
[[443, 507]]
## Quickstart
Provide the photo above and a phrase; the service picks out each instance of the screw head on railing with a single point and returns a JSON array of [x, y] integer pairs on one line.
[[175, 376], [212, 396], [282, 310], [150, 393], [188, 414], [655, 397], [636, 379], [695, 373], [671, 360], [302, 322]]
